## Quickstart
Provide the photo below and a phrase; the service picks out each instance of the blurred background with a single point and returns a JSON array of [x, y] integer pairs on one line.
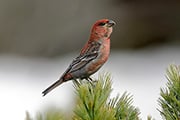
[[38, 40]]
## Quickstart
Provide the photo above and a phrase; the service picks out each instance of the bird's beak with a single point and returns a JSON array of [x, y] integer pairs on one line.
[[111, 23]]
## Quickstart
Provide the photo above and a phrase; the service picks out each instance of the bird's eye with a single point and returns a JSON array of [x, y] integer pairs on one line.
[[102, 24]]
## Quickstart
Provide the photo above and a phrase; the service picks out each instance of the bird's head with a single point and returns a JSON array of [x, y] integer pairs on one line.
[[102, 29]]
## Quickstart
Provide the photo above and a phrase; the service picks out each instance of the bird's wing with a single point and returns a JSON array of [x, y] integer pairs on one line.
[[90, 54]]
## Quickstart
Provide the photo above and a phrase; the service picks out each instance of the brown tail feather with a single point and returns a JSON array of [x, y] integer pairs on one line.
[[54, 85]]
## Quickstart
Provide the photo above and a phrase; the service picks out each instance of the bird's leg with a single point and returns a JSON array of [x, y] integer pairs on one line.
[[90, 79], [92, 82], [77, 82]]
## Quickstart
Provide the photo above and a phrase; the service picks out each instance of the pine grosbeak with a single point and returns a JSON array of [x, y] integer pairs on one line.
[[92, 56]]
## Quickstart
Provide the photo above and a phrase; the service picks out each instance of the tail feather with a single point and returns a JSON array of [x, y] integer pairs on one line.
[[54, 85]]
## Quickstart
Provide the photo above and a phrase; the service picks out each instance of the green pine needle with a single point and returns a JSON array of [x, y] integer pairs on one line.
[[93, 102], [170, 96]]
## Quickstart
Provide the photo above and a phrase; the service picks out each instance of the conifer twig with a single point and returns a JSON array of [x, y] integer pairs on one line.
[[170, 96], [93, 102]]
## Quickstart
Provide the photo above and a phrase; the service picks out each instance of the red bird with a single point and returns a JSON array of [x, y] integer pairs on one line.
[[92, 56]]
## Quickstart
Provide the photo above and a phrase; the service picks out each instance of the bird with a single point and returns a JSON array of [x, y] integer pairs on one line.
[[92, 56]]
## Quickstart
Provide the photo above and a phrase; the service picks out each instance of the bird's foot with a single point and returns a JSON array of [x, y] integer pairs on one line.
[[91, 81]]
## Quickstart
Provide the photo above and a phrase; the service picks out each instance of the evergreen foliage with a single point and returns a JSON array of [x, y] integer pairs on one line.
[[50, 114], [170, 96], [123, 107], [94, 103]]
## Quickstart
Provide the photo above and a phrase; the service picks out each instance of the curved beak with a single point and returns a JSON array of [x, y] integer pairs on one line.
[[111, 23]]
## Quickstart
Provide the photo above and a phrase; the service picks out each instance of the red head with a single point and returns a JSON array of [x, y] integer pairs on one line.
[[102, 29]]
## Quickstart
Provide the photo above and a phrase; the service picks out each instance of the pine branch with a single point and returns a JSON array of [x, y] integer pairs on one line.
[[170, 96], [150, 118], [91, 101], [28, 117], [50, 114], [93, 104], [123, 107]]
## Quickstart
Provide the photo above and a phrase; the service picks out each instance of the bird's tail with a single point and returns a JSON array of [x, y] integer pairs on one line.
[[54, 85]]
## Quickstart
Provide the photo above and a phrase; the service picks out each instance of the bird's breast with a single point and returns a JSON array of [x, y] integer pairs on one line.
[[102, 57]]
